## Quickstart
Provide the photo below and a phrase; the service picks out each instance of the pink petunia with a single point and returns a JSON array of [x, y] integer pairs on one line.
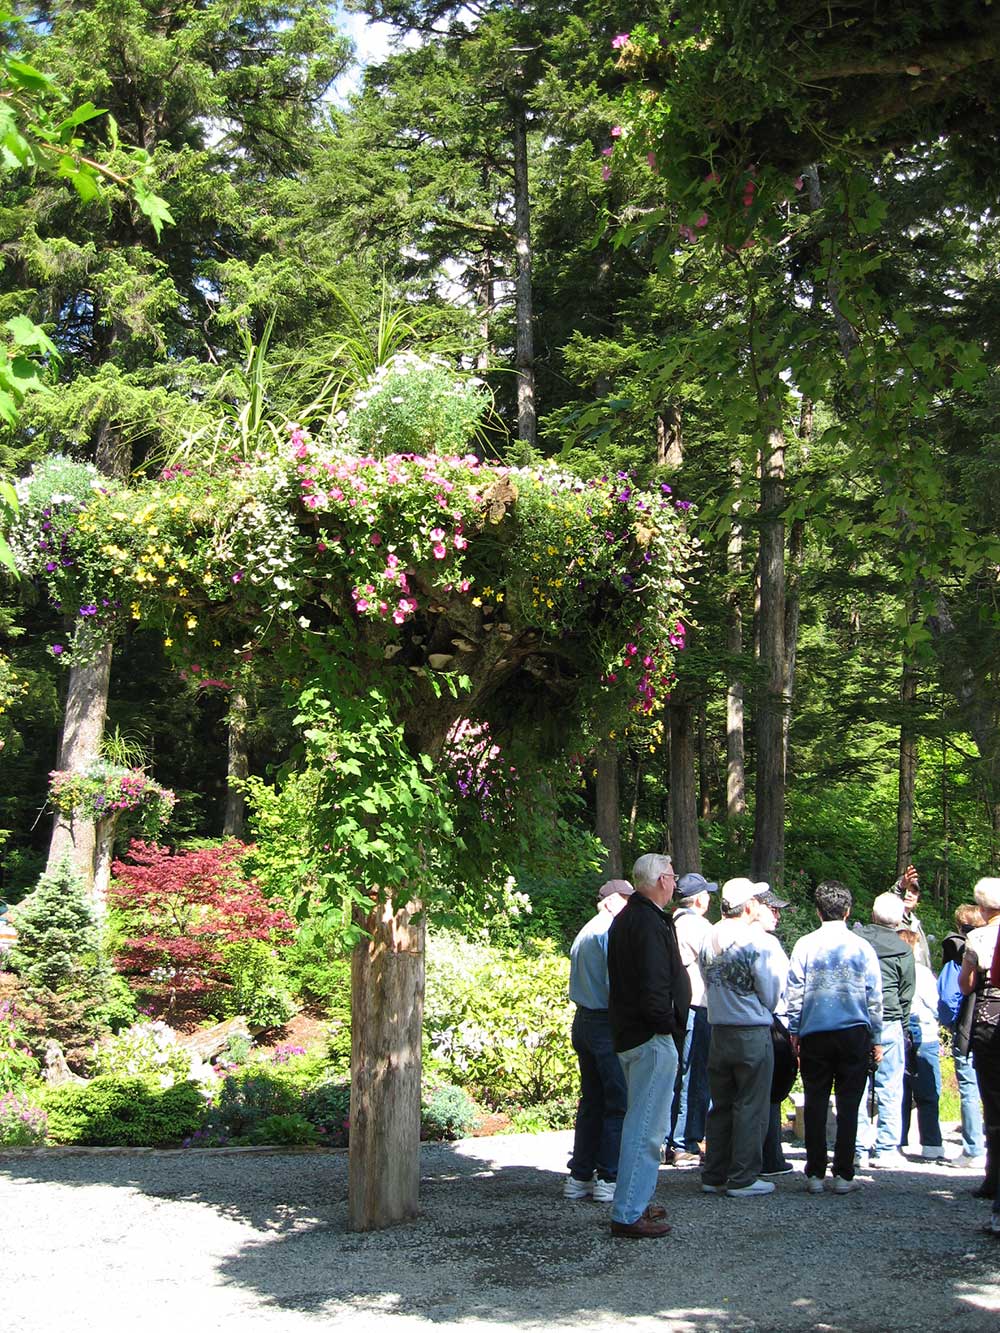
[[621, 40], [440, 551]]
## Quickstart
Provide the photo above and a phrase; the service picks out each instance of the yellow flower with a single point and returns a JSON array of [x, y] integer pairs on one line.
[[171, 580], [191, 622], [477, 601], [499, 596], [136, 612], [168, 642]]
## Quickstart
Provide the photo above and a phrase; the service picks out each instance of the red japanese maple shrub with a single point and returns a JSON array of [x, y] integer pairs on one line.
[[181, 907]]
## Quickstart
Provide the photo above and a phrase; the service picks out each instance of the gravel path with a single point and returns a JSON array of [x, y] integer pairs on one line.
[[256, 1242]]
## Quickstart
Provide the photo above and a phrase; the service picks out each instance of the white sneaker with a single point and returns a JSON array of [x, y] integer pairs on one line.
[[577, 1189], [963, 1162], [814, 1185], [841, 1186], [885, 1160], [604, 1191], [753, 1191], [713, 1189]]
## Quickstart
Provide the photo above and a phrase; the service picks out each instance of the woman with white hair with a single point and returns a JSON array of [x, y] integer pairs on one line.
[[981, 973]]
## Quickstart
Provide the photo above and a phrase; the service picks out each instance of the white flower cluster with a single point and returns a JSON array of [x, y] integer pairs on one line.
[[418, 405], [261, 544], [49, 497], [144, 1050]]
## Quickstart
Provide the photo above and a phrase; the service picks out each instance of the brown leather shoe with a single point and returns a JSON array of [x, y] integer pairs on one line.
[[654, 1212], [643, 1228]]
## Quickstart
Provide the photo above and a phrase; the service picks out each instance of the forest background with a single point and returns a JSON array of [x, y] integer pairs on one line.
[[793, 334]]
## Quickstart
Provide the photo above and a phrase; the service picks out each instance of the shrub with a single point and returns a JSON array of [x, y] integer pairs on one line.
[[497, 1021], [132, 1112], [257, 989], [448, 1112], [58, 943], [145, 1050], [246, 1100], [289, 1129], [328, 1107], [181, 908], [17, 1064], [22, 1125], [557, 1114]]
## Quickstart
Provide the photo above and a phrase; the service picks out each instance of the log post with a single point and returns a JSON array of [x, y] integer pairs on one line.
[[387, 1010]]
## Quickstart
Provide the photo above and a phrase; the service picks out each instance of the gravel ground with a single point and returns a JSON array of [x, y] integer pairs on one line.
[[192, 1241]]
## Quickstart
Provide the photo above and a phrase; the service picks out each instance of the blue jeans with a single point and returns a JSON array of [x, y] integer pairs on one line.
[[888, 1093], [603, 1098], [923, 1086], [973, 1140], [650, 1072], [690, 1105]]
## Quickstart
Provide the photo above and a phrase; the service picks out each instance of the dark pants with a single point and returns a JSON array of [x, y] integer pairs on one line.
[[774, 1157], [986, 1058], [603, 1098], [836, 1060]]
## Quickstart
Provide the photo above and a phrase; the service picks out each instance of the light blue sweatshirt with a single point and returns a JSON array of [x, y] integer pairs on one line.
[[834, 981], [588, 963], [744, 969]]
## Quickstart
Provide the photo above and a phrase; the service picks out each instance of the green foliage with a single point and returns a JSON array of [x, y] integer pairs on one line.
[[133, 1112], [447, 1113], [246, 1100], [411, 405], [58, 944], [328, 1107], [497, 1021], [17, 1064], [257, 986], [560, 1113], [292, 1130], [22, 1123]]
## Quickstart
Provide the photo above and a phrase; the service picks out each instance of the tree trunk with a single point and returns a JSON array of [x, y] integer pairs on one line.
[[608, 813], [527, 426], [907, 767], [685, 848], [387, 1007], [736, 803], [669, 441], [234, 824], [705, 766], [796, 544], [83, 729], [103, 856], [768, 852]]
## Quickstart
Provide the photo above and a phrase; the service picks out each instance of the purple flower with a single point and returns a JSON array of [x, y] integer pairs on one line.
[[682, 505], [56, 649], [50, 566]]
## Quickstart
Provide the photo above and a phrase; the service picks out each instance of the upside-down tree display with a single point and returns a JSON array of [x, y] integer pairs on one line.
[[432, 617]]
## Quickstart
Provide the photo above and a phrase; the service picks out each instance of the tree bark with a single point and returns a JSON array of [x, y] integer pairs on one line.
[[907, 767], [608, 812], [736, 803], [706, 767], [387, 1008], [234, 824], [669, 440], [768, 852], [103, 857], [83, 729], [796, 545], [685, 847], [527, 425]]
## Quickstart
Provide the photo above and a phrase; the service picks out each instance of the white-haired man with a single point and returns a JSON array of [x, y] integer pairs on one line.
[[649, 995], [745, 970], [899, 982], [603, 1095]]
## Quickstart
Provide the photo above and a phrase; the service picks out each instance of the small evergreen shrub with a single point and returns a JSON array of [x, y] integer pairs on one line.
[[126, 1112], [58, 943], [448, 1112]]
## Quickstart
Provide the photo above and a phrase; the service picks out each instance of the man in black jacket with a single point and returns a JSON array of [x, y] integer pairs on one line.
[[648, 1003]]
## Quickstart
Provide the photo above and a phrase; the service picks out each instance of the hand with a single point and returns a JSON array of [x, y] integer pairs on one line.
[[910, 879], [795, 1043], [877, 1054]]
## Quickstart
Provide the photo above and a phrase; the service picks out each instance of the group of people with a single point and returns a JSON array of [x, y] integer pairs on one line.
[[689, 1034]]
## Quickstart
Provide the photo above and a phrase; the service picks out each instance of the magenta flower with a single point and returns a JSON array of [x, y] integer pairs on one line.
[[56, 650], [605, 172], [616, 131], [376, 539], [439, 550], [618, 42]]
